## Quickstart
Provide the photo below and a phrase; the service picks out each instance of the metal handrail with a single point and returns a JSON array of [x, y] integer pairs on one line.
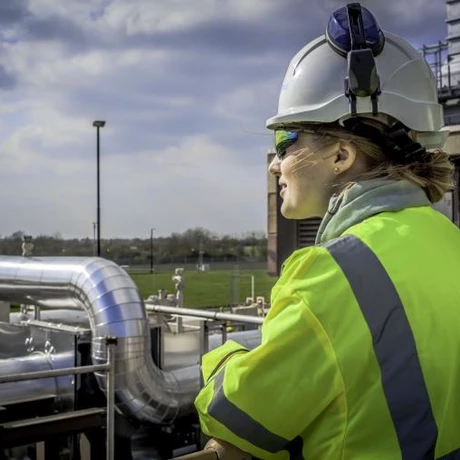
[[109, 368], [199, 455], [204, 314], [54, 373]]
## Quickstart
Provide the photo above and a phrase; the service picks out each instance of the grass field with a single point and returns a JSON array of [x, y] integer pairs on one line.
[[208, 289]]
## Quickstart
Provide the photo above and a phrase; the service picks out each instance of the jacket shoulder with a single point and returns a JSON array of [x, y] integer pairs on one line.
[[306, 269]]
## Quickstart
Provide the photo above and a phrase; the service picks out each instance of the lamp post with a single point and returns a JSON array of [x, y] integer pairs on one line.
[[94, 237], [98, 124], [151, 250]]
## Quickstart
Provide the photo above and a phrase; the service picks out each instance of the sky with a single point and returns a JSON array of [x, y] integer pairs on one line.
[[185, 87]]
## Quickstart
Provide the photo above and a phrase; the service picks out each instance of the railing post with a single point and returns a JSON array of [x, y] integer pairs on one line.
[[110, 342], [223, 329], [204, 345]]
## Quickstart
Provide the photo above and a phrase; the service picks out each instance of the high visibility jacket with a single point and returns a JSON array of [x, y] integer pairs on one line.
[[360, 351]]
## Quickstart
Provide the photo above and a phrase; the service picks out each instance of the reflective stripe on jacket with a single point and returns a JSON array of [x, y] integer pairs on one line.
[[360, 351]]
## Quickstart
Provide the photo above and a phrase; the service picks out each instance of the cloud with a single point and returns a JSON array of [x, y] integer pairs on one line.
[[185, 87], [176, 15], [7, 81], [154, 187], [12, 11]]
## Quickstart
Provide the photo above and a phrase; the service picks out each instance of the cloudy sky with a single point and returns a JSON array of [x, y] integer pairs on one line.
[[185, 87]]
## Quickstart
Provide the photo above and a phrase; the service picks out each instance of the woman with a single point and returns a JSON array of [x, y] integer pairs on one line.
[[360, 349]]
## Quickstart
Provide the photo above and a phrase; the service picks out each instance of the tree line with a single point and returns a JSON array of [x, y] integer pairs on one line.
[[196, 245]]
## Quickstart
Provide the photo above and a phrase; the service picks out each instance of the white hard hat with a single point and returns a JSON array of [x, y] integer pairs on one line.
[[361, 71]]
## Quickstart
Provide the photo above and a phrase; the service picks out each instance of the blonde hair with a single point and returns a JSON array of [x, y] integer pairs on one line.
[[432, 171]]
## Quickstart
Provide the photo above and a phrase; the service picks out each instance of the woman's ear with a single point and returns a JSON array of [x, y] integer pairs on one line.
[[345, 158]]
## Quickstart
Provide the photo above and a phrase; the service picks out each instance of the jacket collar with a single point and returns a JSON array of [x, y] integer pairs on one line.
[[366, 199]]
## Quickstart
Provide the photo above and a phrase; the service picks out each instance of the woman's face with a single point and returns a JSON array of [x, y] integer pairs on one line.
[[306, 174]]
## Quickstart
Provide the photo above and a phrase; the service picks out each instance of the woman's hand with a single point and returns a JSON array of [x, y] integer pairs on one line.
[[226, 451]]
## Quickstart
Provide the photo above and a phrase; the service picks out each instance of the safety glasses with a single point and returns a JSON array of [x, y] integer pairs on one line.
[[283, 140]]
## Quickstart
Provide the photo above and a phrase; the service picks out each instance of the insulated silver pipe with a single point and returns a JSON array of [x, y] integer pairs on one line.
[[55, 389], [248, 339], [115, 308], [12, 341], [64, 316]]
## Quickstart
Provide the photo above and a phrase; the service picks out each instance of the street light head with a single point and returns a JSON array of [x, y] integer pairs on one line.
[[99, 123]]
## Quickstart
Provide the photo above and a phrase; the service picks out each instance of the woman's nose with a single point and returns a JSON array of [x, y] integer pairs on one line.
[[274, 167]]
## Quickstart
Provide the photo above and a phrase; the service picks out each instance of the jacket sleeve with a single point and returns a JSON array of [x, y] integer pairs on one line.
[[262, 400]]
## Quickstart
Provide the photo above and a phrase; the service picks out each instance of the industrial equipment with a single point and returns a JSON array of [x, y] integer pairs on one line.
[[90, 370]]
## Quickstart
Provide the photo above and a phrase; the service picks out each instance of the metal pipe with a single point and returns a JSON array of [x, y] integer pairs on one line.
[[58, 303], [25, 376], [115, 308], [16, 374], [58, 327], [247, 339], [12, 341], [204, 314], [60, 316]]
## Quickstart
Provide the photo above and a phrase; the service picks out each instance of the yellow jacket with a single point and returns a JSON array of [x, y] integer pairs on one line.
[[360, 351]]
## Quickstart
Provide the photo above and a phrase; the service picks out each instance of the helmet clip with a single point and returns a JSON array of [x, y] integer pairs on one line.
[[362, 79]]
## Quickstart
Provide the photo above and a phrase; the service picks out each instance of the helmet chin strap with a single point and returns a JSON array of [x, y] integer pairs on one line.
[[362, 79]]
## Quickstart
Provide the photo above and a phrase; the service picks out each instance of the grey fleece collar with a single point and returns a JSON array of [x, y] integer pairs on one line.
[[365, 199]]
